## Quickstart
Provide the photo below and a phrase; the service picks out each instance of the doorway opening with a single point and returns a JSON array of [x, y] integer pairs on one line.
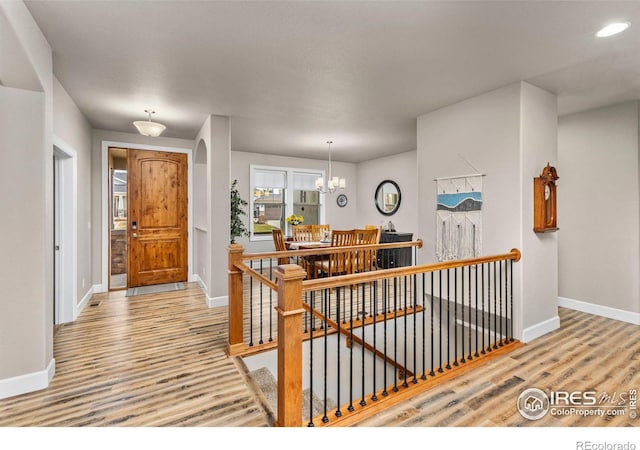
[[65, 233], [118, 208], [156, 258]]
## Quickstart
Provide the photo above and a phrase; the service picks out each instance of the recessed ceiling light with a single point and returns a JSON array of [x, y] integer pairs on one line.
[[613, 28]]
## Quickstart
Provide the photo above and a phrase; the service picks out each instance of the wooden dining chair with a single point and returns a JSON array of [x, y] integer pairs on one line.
[[378, 236], [278, 241], [320, 231], [339, 263], [365, 259], [302, 233], [375, 227]]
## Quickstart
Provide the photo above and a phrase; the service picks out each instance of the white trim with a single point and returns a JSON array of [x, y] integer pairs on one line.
[[80, 306], [214, 302], [599, 310], [68, 221], [30, 382], [105, 201], [540, 329], [202, 284]]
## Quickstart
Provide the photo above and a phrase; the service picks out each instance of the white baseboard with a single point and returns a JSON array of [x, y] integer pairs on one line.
[[198, 280], [540, 329], [100, 288], [599, 310], [30, 382], [213, 302], [80, 306]]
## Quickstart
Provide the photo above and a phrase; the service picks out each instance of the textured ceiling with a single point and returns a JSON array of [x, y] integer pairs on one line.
[[292, 75]]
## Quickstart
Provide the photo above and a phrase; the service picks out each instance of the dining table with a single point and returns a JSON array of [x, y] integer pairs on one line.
[[304, 245]]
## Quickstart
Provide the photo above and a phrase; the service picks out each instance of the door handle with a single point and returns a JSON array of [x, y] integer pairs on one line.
[[135, 235]]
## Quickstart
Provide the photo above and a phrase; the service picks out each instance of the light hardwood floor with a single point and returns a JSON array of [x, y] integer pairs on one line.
[[159, 360]]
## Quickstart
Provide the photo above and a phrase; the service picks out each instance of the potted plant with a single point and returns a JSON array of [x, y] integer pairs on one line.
[[237, 226]]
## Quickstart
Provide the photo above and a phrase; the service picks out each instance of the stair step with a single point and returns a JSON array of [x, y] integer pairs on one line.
[[269, 387]]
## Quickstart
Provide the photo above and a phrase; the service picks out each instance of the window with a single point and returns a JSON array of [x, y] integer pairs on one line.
[[119, 198], [278, 192]]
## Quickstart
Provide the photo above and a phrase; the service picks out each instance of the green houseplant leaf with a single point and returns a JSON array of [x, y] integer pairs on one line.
[[237, 226]]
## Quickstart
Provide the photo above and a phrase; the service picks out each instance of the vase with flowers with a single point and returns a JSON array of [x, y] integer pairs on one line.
[[294, 220]]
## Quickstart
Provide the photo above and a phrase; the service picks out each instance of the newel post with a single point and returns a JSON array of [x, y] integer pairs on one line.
[[235, 342], [289, 279]]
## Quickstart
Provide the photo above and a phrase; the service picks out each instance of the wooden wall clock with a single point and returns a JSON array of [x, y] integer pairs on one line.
[[545, 202]]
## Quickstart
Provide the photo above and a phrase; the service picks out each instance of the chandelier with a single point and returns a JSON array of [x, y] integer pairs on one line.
[[333, 183], [149, 128]]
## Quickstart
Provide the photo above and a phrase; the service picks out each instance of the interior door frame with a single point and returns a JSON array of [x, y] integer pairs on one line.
[[105, 201], [66, 308]]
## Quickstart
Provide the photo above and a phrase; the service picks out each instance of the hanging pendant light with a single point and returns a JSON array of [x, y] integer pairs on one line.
[[333, 183], [149, 128]]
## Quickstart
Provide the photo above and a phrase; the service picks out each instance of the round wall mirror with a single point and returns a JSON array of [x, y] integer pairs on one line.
[[388, 197]]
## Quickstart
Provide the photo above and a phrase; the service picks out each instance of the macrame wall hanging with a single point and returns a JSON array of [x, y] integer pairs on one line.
[[459, 217]]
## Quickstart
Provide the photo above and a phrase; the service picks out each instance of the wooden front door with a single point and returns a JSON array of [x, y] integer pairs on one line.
[[157, 218]]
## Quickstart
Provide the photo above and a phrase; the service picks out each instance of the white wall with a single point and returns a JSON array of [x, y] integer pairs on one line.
[[339, 218], [485, 131], [212, 156], [598, 207], [400, 168], [539, 264], [508, 134], [26, 121], [72, 127]]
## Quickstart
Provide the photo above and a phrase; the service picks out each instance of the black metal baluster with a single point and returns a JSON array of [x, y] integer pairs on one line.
[[502, 330], [371, 299], [455, 315], [322, 311], [415, 331], [448, 366], [511, 296], [385, 308], [363, 402], [424, 327], [505, 337], [440, 320], [311, 330], [339, 381], [432, 373], [374, 397], [395, 331], [271, 302], [406, 313], [250, 306], [495, 307], [489, 307], [261, 305], [483, 312], [306, 313], [325, 419], [476, 354], [470, 357], [463, 360], [357, 303], [350, 408]]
